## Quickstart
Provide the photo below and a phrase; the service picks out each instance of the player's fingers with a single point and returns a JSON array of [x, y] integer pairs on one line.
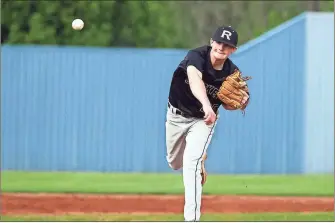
[[211, 118], [244, 100], [242, 84], [209, 121]]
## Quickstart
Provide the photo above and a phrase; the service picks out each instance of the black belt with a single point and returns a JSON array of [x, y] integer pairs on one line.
[[178, 112]]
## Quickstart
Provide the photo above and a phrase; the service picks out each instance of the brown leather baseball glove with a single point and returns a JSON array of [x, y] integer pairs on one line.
[[234, 92]]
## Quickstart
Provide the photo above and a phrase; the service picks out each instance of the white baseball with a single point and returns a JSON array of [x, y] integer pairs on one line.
[[77, 24]]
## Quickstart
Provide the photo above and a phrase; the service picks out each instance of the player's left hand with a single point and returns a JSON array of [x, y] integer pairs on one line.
[[245, 99], [234, 91]]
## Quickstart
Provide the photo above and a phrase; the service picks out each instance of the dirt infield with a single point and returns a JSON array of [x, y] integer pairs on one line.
[[76, 203]]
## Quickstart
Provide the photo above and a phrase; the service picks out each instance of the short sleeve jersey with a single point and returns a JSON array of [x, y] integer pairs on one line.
[[181, 96]]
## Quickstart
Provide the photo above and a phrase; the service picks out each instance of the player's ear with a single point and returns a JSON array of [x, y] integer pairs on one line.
[[211, 42]]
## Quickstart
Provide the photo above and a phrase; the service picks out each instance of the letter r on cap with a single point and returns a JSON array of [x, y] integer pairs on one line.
[[226, 34]]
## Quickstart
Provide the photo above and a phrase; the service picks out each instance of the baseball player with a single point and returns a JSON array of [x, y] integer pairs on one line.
[[198, 87]]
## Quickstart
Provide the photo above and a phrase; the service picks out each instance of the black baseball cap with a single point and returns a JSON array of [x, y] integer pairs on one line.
[[226, 34]]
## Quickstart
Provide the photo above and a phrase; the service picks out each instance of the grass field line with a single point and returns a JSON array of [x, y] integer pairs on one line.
[[141, 183], [169, 196]]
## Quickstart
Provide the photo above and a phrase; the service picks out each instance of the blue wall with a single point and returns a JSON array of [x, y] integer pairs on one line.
[[87, 109], [319, 91]]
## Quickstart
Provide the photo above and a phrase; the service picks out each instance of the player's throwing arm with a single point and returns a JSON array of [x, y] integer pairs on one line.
[[199, 91]]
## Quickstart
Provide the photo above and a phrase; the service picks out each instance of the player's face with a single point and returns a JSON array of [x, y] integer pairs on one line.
[[222, 51]]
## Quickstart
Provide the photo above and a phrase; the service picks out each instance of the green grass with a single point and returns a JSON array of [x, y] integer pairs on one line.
[[327, 216], [315, 185]]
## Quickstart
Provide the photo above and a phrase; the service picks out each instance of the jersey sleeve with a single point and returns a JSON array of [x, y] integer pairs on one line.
[[194, 58]]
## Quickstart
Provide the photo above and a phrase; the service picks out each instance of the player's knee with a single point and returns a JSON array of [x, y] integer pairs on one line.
[[174, 165]]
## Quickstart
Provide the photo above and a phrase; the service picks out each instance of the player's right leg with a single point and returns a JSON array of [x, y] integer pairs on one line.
[[176, 127], [197, 142]]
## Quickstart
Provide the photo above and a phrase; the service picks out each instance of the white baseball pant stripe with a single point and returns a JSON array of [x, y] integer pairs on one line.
[[187, 139]]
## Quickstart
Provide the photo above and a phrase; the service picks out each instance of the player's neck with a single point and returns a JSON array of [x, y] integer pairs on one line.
[[217, 64]]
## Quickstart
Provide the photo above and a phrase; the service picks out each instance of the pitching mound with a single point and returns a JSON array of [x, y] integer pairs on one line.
[[76, 203]]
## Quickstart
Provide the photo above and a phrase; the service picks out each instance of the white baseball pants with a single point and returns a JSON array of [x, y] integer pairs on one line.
[[187, 140]]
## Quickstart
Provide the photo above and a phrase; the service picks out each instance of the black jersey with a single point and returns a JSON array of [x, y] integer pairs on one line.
[[181, 96]]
